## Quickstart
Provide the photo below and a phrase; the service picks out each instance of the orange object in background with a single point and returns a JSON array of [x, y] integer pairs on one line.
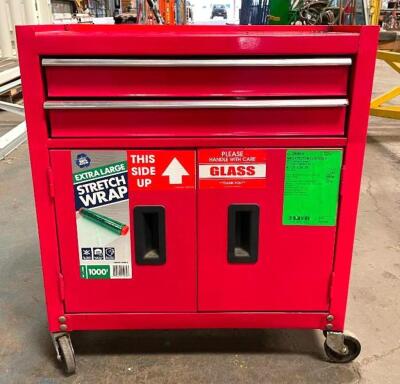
[[167, 11]]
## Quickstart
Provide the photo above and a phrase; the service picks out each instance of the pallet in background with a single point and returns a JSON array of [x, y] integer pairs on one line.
[[11, 100], [11, 92]]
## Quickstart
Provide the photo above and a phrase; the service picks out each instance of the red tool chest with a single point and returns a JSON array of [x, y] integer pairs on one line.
[[197, 176]]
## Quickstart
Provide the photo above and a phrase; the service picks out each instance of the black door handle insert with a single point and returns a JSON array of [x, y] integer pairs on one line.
[[149, 235], [243, 228]]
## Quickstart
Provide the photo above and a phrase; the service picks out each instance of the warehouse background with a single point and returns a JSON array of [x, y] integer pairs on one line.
[[15, 12], [258, 356]]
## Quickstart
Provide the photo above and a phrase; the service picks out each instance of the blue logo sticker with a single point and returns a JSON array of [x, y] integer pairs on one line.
[[82, 160]]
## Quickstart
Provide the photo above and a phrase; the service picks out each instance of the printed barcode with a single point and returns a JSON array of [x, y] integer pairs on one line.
[[120, 270]]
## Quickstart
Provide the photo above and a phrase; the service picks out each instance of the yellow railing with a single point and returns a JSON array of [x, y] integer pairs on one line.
[[379, 106]]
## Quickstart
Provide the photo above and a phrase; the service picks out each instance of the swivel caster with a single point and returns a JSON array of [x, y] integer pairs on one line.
[[341, 348], [65, 352]]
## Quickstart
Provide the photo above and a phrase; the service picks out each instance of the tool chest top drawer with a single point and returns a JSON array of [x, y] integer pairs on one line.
[[196, 77]]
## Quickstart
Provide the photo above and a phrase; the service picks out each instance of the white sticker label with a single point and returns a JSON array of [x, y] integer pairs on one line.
[[232, 171]]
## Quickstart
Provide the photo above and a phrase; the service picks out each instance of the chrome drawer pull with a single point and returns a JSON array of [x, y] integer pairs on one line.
[[198, 104], [289, 62]]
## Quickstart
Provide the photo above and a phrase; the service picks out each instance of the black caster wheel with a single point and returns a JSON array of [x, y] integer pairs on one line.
[[67, 354], [351, 350]]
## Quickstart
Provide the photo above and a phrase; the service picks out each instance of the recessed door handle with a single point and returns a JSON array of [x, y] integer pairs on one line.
[[149, 229], [243, 229]]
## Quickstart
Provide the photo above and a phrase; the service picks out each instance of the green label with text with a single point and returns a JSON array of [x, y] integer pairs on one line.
[[312, 180], [95, 271]]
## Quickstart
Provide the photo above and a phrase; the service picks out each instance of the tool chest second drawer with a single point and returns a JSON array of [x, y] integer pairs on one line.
[[247, 77], [197, 118]]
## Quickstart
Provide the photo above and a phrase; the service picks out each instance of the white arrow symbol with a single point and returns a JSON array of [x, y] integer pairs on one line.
[[175, 172]]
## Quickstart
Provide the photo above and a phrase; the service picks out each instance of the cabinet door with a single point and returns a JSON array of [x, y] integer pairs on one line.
[[126, 227], [267, 224]]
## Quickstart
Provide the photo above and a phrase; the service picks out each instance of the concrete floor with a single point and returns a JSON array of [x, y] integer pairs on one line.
[[8, 121], [270, 356]]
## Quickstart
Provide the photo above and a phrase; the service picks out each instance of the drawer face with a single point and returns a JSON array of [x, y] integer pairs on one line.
[[64, 82], [181, 121]]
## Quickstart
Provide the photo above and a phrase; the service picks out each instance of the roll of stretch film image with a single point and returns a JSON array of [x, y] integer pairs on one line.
[[105, 222]]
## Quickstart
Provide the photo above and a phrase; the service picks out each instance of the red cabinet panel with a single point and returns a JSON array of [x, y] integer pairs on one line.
[[291, 271], [294, 264], [169, 287]]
